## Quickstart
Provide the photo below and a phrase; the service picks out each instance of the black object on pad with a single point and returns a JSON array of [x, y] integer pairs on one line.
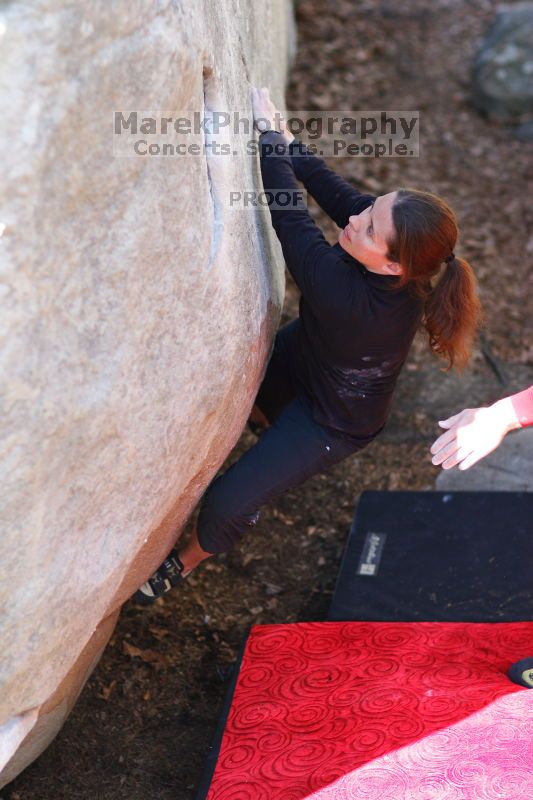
[[438, 556], [521, 672]]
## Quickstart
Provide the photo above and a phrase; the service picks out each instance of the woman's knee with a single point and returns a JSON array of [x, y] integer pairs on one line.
[[223, 519]]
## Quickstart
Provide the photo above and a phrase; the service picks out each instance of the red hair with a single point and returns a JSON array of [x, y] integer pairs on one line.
[[426, 233]]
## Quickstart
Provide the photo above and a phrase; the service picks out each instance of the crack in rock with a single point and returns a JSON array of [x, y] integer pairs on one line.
[[209, 138]]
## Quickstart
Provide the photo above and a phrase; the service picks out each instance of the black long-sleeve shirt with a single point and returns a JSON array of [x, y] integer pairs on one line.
[[356, 327]]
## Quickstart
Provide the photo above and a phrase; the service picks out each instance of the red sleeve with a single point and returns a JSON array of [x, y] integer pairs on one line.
[[523, 406]]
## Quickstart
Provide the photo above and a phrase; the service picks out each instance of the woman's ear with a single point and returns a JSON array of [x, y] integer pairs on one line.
[[393, 268]]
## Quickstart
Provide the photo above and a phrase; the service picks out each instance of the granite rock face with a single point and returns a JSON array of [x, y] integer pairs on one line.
[[138, 316], [503, 67]]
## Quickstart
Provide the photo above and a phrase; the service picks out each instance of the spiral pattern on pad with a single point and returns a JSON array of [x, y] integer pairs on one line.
[[379, 711]]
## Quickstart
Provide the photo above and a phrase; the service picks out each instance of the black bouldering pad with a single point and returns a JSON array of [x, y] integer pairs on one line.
[[438, 556], [211, 757]]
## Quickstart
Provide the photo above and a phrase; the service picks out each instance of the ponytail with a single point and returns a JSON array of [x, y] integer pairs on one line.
[[452, 314], [425, 235]]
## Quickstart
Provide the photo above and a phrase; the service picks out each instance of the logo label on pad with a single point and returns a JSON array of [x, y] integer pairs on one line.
[[371, 555]]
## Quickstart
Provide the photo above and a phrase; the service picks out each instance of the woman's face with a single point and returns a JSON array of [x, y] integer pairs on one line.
[[366, 235]]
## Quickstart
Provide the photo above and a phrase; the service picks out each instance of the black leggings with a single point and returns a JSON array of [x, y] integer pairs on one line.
[[292, 449]]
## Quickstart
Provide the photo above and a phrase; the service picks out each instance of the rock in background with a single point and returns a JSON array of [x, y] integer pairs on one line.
[[138, 315], [503, 67]]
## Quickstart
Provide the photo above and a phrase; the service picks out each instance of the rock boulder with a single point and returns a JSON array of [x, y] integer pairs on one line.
[[138, 316], [503, 66]]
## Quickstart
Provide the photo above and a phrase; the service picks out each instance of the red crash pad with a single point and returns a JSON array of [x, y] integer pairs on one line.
[[379, 710]]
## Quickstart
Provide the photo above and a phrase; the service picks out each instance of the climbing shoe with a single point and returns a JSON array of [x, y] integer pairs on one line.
[[162, 581]]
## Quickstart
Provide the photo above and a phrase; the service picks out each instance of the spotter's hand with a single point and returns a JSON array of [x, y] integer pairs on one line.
[[472, 434]]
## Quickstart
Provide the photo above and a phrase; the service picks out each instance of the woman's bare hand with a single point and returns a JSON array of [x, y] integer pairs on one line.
[[266, 115]]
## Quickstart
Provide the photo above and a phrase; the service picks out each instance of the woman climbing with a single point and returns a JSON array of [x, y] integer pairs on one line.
[[328, 386]]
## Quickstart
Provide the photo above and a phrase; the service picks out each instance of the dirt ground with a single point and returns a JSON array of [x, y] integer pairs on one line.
[[147, 715]]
